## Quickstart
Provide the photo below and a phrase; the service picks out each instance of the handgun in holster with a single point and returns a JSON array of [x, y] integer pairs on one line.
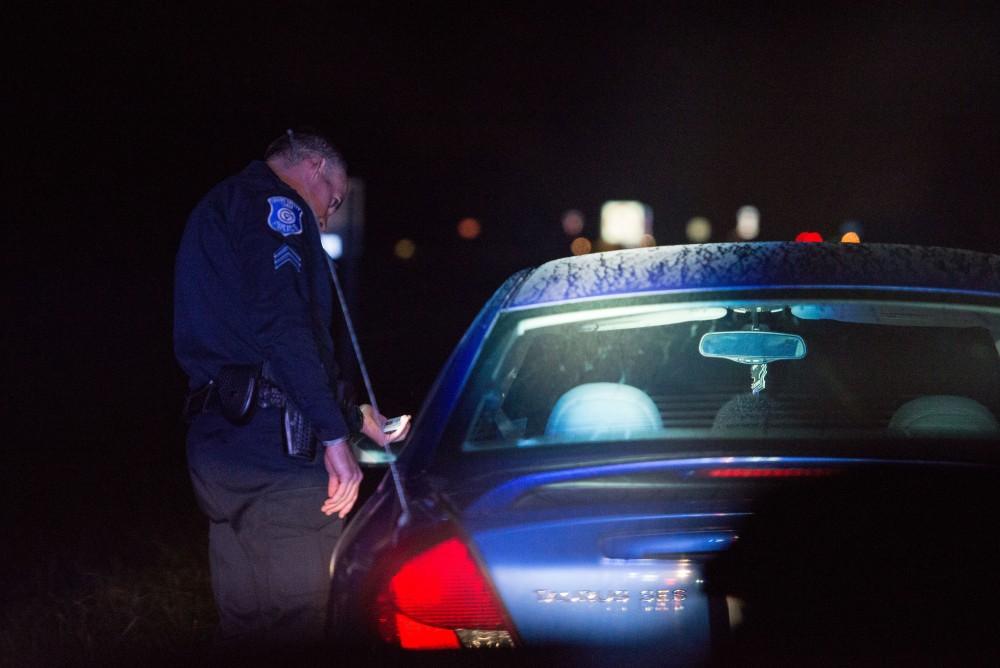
[[299, 440]]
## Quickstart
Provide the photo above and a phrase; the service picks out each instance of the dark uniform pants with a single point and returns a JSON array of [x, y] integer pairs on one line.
[[269, 543]]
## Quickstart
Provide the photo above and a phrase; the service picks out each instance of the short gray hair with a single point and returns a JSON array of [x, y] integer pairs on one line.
[[296, 145]]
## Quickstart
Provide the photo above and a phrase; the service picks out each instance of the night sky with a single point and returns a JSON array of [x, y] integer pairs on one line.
[[511, 114]]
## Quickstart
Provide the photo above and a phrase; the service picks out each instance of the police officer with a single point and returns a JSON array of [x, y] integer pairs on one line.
[[253, 305]]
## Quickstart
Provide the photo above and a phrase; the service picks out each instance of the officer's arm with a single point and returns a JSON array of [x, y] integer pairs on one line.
[[271, 247]]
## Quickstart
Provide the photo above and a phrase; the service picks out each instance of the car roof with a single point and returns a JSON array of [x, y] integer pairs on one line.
[[734, 266]]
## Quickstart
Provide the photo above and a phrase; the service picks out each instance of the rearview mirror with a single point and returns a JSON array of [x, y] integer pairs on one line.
[[752, 347]]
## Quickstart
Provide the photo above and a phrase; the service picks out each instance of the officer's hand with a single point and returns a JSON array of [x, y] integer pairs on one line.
[[402, 432], [345, 478], [374, 423]]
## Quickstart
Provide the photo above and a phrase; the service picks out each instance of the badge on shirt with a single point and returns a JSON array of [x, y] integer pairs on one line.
[[285, 217]]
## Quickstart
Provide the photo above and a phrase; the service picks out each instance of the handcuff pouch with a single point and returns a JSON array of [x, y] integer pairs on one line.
[[237, 386]]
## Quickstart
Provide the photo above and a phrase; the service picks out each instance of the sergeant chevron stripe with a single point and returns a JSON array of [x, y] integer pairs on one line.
[[287, 255]]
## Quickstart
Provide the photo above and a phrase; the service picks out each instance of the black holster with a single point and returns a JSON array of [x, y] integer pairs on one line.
[[300, 442]]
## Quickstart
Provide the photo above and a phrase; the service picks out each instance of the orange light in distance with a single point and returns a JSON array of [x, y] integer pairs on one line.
[[850, 238], [469, 228], [404, 249], [580, 246]]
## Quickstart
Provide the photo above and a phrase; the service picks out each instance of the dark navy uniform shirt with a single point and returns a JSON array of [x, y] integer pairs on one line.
[[252, 287]]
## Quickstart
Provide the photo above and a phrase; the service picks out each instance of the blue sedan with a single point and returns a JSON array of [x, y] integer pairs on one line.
[[591, 466]]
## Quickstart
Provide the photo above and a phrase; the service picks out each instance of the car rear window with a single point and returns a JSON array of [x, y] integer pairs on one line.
[[611, 373]]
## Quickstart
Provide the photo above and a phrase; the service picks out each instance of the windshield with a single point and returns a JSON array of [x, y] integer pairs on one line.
[[783, 369]]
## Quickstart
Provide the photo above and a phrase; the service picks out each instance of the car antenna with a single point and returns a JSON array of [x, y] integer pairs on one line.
[[404, 516]]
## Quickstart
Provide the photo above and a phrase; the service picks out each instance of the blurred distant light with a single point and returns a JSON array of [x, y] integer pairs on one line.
[[747, 222], [405, 249], [698, 230], [625, 222], [850, 238], [647, 241], [580, 246], [469, 228], [333, 245], [810, 237], [572, 222]]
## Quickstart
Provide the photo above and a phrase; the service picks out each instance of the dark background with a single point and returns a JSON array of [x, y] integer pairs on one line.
[[510, 113], [118, 121]]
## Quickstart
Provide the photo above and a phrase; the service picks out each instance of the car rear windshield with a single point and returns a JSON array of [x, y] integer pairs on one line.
[[614, 371]]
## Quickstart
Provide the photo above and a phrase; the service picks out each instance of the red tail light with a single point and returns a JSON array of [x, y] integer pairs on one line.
[[809, 237], [439, 599]]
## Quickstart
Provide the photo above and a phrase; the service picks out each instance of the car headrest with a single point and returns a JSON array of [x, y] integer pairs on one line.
[[943, 415], [603, 410]]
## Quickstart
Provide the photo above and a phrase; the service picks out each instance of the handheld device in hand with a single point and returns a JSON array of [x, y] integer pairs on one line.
[[396, 423]]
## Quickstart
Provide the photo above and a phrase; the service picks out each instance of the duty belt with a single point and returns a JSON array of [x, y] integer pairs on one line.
[[206, 399]]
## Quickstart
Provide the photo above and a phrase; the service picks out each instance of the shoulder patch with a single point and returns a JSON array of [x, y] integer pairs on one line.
[[285, 216]]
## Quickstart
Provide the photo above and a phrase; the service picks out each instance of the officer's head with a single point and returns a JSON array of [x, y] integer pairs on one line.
[[310, 164]]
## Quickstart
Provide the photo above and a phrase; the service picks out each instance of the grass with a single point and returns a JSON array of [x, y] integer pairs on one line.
[[161, 609], [103, 565]]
